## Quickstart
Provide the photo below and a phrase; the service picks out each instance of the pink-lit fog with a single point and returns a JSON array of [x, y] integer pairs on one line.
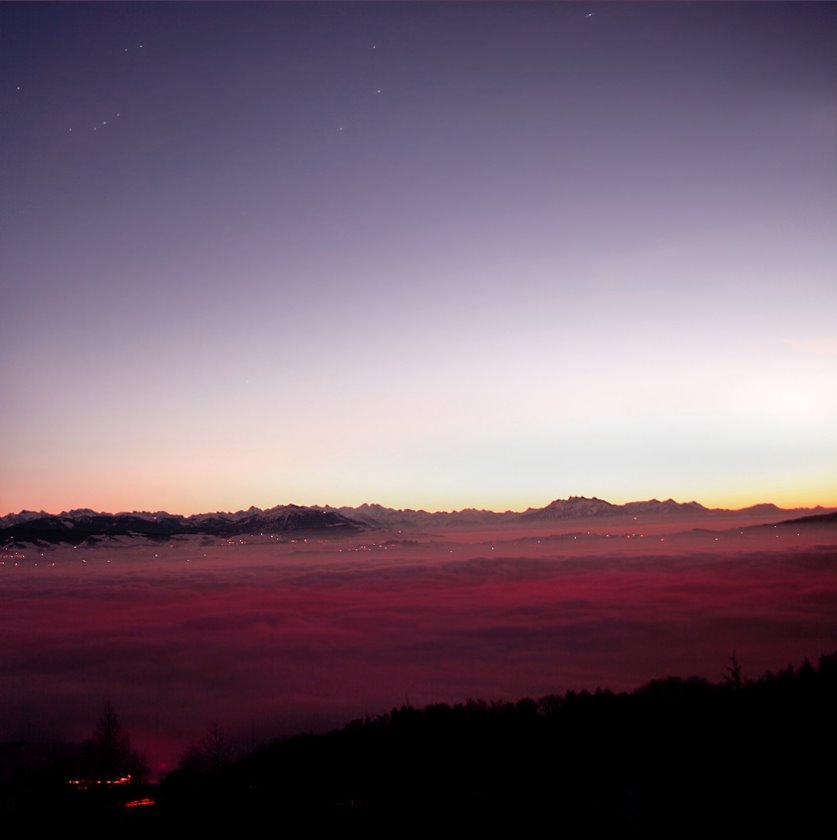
[[271, 638]]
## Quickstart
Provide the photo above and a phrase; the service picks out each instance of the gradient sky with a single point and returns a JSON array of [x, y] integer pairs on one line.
[[429, 255]]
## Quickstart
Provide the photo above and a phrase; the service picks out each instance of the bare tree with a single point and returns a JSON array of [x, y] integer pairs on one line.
[[732, 674], [214, 753], [216, 748], [112, 754], [113, 745]]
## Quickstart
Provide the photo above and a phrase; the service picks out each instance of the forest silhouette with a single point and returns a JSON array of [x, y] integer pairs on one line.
[[684, 754]]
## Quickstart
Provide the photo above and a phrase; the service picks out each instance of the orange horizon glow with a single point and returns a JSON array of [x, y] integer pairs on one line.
[[731, 502]]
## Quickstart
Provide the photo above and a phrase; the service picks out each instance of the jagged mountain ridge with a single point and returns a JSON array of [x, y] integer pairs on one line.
[[75, 529], [80, 525]]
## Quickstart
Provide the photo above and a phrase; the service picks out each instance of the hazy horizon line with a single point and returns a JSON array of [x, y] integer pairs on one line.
[[428, 510]]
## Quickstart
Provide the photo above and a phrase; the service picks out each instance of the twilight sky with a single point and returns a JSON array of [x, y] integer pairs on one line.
[[429, 255]]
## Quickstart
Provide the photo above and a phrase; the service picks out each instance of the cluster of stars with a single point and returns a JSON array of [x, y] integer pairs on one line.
[[118, 114], [340, 129], [378, 91], [103, 123]]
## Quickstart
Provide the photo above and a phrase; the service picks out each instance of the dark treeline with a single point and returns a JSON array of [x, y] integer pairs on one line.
[[674, 755]]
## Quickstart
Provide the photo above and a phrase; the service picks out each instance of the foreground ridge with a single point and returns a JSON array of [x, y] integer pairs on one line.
[[675, 751]]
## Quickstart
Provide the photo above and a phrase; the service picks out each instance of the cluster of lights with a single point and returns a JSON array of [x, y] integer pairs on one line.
[[86, 784]]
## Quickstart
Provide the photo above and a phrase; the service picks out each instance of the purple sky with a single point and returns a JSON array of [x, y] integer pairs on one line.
[[425, 255]]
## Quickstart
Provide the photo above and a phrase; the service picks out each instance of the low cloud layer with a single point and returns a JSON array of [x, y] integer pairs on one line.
[[271, 639]]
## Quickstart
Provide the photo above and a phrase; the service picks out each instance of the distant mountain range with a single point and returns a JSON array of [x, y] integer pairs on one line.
[[78, 526], [84, 525]]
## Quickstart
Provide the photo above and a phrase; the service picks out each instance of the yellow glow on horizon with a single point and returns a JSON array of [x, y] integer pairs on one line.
[[824, 496]]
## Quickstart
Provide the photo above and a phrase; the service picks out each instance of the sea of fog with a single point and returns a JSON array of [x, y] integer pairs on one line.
[[269, 637]]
